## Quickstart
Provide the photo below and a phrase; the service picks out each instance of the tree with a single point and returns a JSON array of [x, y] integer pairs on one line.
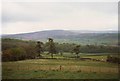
[[51, 48], [30, 51], [14, 54], [39, 48], [6, 55], [77, 50]]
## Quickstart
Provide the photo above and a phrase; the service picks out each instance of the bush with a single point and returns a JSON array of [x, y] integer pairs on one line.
[[30, 51], [113, 59], [13, 49], [14, 54], [6, 55]]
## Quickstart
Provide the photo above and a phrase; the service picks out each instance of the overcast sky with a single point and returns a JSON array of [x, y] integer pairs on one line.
[[22, 17]]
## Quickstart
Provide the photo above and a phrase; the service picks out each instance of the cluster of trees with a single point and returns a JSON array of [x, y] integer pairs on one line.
[[14, 49], [113, 59]]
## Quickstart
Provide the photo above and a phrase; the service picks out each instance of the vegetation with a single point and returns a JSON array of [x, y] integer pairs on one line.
[[113, 59], [14, 49], [77, 50], [51, 49], [50, 69], [39, 48], [63, 36], [93, 62]]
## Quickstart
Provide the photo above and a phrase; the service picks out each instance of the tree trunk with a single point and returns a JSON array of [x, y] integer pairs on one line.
[[51, 55], [77, 55]]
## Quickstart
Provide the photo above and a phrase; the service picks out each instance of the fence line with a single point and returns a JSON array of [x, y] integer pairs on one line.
[[65, 68]]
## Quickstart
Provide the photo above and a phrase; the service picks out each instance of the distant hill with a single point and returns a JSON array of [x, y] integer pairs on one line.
[[89, 31], [80, 37], [41, 34]]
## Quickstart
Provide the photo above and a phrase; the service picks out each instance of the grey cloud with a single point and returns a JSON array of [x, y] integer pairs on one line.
[[33, 12], [43, 11], [16, 17]]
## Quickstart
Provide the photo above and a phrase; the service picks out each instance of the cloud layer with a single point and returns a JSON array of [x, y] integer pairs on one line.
[[21, 17]]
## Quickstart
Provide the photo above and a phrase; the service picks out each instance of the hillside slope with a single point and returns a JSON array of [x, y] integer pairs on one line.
[[70, 37]]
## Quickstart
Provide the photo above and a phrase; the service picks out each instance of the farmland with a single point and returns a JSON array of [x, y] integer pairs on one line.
[[57, 40], [61, 67], [20, 60]]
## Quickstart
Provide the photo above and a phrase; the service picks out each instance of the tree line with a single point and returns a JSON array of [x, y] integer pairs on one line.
[[14, 49]]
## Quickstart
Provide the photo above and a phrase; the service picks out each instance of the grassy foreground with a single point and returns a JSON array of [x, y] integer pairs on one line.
[[60, 69]]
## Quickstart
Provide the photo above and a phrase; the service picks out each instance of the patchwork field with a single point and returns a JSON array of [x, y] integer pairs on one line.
[[61, 67]]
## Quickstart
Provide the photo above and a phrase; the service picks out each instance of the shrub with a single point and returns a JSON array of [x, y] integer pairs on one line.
[[30, 51], [6, 55], [14, 54], [113, 59]]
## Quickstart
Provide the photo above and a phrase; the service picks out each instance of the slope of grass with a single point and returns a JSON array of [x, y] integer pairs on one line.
[[59, 68], [42, 74]]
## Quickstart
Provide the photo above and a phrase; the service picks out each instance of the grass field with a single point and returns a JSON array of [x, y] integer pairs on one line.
[[60, 68]]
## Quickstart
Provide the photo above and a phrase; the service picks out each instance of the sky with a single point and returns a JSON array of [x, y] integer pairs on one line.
[[23, 17]]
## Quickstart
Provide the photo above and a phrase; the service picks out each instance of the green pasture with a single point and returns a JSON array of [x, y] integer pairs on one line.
[[61, 67]]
